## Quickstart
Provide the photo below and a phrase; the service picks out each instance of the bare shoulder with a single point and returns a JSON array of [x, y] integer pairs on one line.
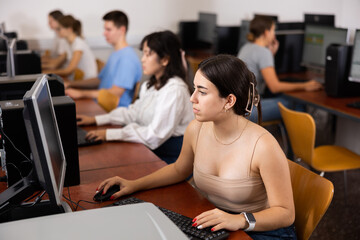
[[192, 132]]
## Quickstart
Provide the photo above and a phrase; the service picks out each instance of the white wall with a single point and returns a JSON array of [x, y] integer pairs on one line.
[[29, 18]]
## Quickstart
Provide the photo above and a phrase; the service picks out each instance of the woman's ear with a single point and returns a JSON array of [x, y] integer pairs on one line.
[[165, 61], [230, 101]]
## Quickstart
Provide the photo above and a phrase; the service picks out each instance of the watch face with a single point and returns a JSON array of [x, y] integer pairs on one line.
[[250, 217]]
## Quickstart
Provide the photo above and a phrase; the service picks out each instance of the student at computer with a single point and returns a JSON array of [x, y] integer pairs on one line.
[[258, 54], [122, 70], [56, 57], [81, 55], [159, 117], [238, 165]]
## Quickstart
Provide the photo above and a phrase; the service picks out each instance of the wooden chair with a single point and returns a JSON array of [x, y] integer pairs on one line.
[[78, 74], [312, 197], [100, 64], [301, 130], [107, 100]]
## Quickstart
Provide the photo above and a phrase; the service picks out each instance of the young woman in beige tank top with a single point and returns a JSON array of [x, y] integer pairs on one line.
[[224, 150]]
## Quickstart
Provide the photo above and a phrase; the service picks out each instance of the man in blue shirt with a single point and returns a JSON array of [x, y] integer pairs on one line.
[[122, 70]]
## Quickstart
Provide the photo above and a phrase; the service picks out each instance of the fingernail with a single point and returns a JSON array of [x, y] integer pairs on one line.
[[194, 224], [194, 220], [112, 198], [103, 193], [97, 189], [213, 229], [199, 227]]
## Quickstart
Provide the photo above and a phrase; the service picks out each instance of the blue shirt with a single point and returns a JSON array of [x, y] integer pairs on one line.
[[123, 69]]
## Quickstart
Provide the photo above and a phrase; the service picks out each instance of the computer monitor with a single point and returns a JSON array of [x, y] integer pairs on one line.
[[227, 40], [26, 62], [2, 28], [354, 75], [206, 31], [319, 19], [10, 70], [48, 157], [317, 39], [244, 31], [274, 17]]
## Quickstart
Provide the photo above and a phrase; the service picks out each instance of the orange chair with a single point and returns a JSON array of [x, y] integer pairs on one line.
[[312, 197], [78, 74], [100, 64], [328, 158], [107, 100]]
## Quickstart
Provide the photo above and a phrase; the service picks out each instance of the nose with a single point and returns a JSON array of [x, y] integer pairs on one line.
[[193, 97]]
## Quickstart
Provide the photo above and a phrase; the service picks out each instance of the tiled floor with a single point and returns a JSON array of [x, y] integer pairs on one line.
[[341, 221]]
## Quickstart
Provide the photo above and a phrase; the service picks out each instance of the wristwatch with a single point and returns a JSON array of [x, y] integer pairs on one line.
[[249, 217]]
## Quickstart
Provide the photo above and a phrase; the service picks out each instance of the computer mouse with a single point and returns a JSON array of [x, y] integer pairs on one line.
[[99, 197]]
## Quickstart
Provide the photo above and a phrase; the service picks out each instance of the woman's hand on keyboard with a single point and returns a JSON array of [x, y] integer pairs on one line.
[[97, 135], [85, 120], [218, 219], [313, 85], [126, 186]]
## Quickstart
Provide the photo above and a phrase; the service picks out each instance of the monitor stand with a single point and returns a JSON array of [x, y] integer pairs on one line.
[[12, 206]]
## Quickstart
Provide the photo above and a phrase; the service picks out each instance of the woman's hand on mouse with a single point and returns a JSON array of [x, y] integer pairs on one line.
[[97, 135], [126, 186]]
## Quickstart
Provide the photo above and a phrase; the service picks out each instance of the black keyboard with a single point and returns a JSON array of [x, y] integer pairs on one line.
[[354, 104], [183, 222], [81, 138]]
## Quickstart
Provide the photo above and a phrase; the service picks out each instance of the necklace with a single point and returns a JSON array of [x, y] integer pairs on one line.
[[218, 140]]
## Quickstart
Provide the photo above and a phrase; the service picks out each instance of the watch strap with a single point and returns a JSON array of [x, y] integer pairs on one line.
[[250, 219]]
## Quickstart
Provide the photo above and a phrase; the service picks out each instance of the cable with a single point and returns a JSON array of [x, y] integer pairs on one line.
[[11, 164], [71, 202], [37, 200], [74, 203], [13, 145]]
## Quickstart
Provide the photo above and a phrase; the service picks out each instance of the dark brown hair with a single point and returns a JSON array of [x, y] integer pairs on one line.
[[166, 44], [258, 26], [119, 18], [69, 21], [231, 76], [56, 14]]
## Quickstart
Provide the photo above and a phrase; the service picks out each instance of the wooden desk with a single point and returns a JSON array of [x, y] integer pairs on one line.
[[131, 161], [319, 99]]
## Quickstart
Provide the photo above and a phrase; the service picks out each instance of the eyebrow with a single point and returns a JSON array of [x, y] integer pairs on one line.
[[202, 87]]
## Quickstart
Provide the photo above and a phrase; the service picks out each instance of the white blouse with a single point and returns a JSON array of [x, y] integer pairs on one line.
[[155, 117]]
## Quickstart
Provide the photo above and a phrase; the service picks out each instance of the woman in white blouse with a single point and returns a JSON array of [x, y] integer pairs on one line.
[[159, 117]]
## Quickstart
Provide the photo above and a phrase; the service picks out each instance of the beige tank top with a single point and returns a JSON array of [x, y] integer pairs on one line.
[[246, 194]]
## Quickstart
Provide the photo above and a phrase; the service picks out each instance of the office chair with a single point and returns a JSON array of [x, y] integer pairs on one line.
[[328, 158], [136, 91], [312, 197], [107, 100], [100, 64], [78, 74]]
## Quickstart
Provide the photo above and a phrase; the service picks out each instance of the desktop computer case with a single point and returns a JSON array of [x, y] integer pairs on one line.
[[14, 128], [338, 59]]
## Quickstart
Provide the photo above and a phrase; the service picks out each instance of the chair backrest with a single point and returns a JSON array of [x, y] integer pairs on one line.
[[136, 91], [107, 100], [312, 197], [100, 64], [301, 131], [78, 74]]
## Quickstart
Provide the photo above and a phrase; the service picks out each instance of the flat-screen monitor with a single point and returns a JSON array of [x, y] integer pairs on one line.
[[274, 17], [316, 40], [244, 31], [2, 28], [10, 68], [49, 164], [319, 19], [206, 31], [44, 138], [354, 75], [26, 62], [227, 40]]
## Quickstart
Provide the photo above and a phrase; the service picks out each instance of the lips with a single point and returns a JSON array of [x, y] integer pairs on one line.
[[196, 110]]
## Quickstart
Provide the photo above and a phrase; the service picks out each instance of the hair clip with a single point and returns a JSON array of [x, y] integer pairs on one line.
[[251, 99]]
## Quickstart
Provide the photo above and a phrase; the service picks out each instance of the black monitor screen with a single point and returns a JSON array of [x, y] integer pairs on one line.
[[320, 19], [44, 139], [207, 27], [354, 75], [316, 40]]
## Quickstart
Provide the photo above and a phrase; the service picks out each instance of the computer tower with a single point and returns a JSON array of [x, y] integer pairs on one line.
[[12, 88], [227, 40], [337, 68], [14, 128]]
